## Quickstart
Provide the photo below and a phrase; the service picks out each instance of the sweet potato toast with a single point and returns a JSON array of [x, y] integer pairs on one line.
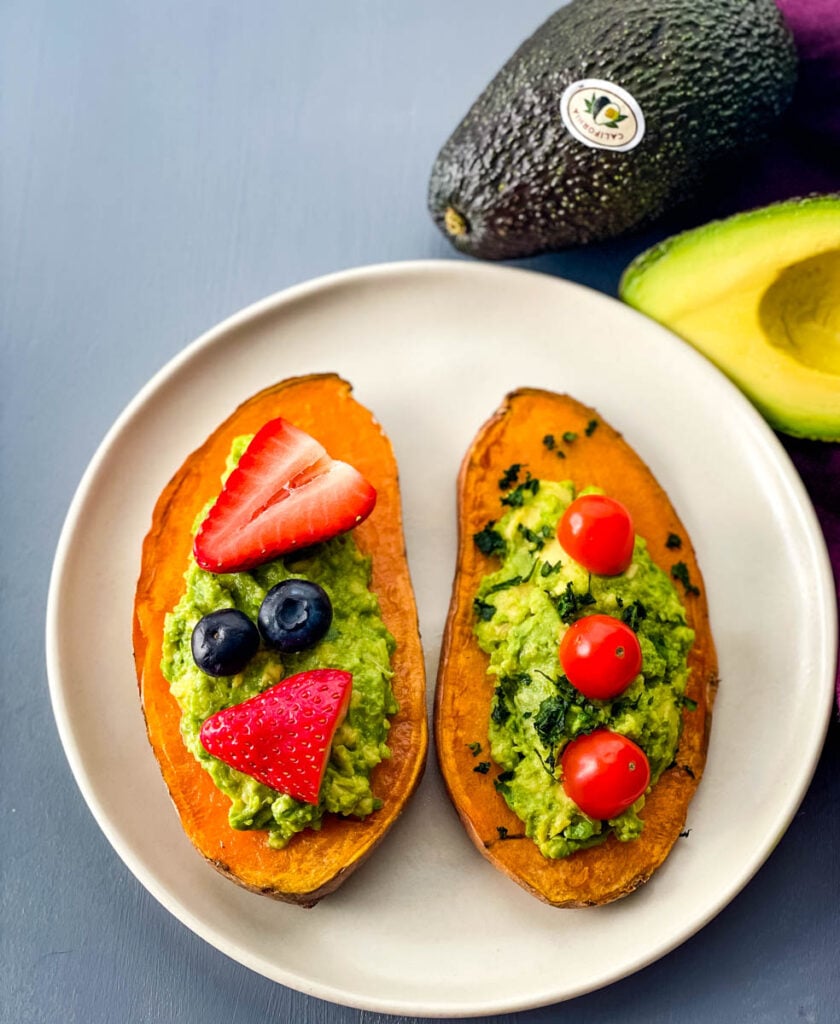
[[315, 862], [600, 458]]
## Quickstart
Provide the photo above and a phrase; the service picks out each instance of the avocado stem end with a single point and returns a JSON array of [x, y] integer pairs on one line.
[[454, 222]]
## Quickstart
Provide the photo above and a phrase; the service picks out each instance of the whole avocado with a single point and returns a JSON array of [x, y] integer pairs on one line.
[[702, 80]]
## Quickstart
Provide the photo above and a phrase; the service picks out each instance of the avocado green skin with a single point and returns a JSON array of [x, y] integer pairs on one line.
[[710, 77]]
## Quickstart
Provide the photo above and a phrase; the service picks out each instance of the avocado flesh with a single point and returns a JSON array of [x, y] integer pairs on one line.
[[759, 295], [710, 79]]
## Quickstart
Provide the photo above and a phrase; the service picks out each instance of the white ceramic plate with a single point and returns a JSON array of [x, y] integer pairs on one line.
[[427, 927]]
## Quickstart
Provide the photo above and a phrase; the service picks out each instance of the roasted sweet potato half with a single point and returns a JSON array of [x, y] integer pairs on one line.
[[515, 433], [315, 862]]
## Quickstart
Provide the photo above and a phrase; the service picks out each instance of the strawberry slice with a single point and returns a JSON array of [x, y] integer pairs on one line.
[[285, 493], [282, 736]]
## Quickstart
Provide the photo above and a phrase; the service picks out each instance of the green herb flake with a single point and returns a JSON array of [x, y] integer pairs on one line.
[[569, 603], [503, 832], [531, 537], [484, 610], [569, 436], [501, 781], [633, 615], [674, 541], [501, 712], [510, 476], [483, 767], [510, 684], [514, 581], [550, 442], [679, 572], [550, 720], [489, 542], [584, 719], [516, 498], [689, 704], [474, 749], [591, 427], [547, 569]]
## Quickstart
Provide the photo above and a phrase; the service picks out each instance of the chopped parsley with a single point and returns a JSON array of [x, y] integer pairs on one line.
[[674, 541], [516, 498], [550, 442], [474, 749], [537, 539], [489, 542], [483, 609], [501, 781], [591, 427], [547, 569], [483, 767], [510, 476], [569, 436], [550, 720], [509, 684], [514, 581], [566, 711], [633, 615], [501, 712], [569, 603], [679, 572]]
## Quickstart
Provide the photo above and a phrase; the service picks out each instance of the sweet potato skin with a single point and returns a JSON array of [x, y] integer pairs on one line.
[[463, 692], [315, 863]]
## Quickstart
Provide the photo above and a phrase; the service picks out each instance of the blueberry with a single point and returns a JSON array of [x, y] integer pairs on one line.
[[223, 642], [294, 615]]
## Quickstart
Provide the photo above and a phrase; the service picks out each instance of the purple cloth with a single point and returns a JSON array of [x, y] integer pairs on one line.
[[815, 25]]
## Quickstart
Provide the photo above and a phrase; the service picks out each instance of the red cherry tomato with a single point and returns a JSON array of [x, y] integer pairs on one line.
[[597, 531], [604, 772], [600, 656]]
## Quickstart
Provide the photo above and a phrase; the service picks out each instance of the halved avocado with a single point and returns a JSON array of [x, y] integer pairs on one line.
[[759, 295]]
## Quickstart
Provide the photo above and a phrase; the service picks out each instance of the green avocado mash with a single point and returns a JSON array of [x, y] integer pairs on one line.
[[357, 642], [522, 610]]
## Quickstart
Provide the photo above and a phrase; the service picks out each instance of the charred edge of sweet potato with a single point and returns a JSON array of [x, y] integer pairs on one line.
[[600, 457], [314, 863]]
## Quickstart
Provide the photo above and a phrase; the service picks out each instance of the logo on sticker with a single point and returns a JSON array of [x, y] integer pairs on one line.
[[602, 115]]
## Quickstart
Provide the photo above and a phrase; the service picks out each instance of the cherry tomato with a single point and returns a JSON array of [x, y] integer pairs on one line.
[[604, 772], [597, 531], [601, 656]]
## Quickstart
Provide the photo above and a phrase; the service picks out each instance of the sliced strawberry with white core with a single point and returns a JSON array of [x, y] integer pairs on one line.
[[282, 736], [285, 493]]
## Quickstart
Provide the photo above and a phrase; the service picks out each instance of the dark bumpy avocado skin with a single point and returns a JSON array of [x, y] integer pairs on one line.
[[710, 77]]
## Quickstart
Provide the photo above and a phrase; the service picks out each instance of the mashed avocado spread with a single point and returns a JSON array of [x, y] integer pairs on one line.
[[357, 642], [522, 610]]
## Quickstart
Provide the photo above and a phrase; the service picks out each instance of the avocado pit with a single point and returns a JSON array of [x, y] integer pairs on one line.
[[800, 311]]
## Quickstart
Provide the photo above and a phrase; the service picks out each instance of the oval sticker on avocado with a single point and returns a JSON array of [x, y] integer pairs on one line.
[[602, 115]]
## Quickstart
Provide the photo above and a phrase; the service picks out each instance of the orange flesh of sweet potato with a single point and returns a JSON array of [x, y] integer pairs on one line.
[[315, 862], [514, 434]]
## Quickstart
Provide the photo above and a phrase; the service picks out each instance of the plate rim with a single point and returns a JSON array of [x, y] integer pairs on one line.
[[273, 304]]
